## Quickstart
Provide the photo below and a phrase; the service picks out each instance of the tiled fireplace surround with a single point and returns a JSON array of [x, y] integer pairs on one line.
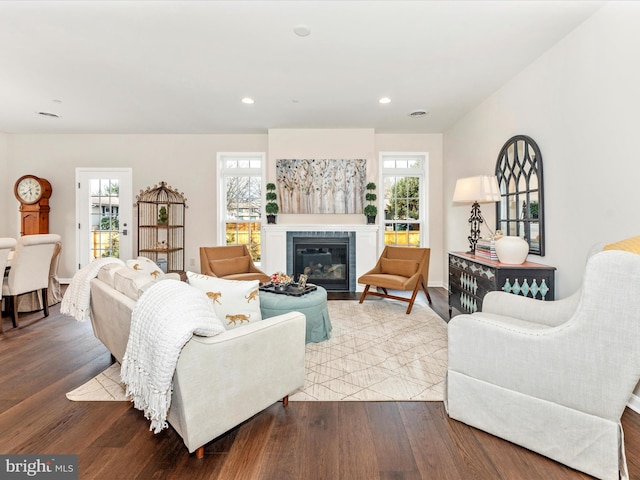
[[277, 246]]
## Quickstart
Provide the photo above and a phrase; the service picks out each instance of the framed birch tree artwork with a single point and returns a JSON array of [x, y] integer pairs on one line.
[[321, 185]]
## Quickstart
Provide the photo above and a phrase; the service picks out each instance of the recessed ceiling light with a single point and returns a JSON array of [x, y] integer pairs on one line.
[[384, 100], [301, 30], [247, 100], [418, 113], [49, 114]]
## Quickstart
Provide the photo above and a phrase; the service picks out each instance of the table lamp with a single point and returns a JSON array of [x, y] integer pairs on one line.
[[476, 190]]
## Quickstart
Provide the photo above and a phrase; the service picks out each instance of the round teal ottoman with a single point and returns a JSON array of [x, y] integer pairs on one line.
[[312, 304]]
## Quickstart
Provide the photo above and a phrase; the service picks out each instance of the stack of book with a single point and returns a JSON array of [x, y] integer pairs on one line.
[[486, 248]]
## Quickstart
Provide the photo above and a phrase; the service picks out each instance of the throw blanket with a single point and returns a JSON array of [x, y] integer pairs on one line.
[[77, 298], [163, 320]]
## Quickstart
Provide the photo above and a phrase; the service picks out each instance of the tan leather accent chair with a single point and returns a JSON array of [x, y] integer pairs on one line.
[[398, 268], [231, 262]]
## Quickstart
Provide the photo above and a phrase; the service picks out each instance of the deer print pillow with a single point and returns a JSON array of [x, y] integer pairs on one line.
[[146, 266], [236, 302]]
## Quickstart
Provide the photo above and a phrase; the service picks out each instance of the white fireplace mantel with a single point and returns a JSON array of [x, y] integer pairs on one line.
[[274, 245]]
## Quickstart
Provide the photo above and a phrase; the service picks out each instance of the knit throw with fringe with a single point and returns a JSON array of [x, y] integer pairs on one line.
[[77, 298], [164, 319]]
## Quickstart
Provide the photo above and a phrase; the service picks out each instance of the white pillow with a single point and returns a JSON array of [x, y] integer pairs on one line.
[[147, 266], [107, 272], [236, 302], [131, 283]]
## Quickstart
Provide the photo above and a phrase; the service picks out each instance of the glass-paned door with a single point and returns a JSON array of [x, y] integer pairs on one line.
[[104, 210]]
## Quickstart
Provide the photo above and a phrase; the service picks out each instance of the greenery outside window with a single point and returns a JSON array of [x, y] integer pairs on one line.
[[404, 195], [105, 211], [241, 179]]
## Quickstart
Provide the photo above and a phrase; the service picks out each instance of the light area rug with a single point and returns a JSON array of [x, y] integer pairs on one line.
[[105, 387], [376, 353]]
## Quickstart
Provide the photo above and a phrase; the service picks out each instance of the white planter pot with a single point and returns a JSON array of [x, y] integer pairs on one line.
[[512, 250]]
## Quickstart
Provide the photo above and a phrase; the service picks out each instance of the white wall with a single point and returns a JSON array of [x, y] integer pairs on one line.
[[322, 143], [580, 102], [188, 163]]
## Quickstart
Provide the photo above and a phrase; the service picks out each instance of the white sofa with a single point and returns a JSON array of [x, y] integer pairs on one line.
[[219, 381], [554, 377]]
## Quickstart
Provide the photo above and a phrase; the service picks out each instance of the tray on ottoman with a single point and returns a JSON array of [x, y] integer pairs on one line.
[[291, 289]]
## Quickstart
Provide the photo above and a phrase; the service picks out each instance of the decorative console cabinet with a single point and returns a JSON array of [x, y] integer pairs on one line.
[[471, 278], [161, 226]]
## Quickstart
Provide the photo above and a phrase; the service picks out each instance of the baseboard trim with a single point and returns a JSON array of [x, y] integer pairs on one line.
[[634, 403]]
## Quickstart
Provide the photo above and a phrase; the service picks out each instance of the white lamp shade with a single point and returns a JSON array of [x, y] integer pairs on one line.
[[481, 189]]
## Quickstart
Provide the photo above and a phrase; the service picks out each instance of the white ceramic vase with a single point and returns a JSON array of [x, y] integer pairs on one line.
[[512, 250]]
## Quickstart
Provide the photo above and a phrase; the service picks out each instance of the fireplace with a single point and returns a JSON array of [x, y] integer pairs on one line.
[[327, 258], [324, 260], [277, 252]]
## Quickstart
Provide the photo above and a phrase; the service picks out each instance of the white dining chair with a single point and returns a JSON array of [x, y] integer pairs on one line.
[[29, 271], [6, 245], [32, 302]]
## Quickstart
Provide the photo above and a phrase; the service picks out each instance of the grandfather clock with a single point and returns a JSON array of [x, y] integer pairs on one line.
[[33, 194]]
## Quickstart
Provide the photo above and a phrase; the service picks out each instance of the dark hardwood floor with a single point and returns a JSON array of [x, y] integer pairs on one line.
[[45, 358]]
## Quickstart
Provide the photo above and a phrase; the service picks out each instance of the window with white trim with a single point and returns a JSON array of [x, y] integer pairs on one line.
[[240, 198], [404, 198]]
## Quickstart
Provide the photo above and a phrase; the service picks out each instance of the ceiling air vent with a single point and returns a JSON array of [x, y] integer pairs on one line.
[[418, 113]]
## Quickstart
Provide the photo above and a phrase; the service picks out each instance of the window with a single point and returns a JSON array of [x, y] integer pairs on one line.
[[404, 197], [105, 223], [241, 199]]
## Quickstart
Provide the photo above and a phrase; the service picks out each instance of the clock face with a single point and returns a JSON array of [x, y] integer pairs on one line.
[[29, 190]]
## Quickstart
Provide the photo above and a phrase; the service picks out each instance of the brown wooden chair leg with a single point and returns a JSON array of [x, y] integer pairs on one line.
[[426, 291], [413, 297], [364, 293], [200, 452], [14, 310], [45, 301], [285, 401]]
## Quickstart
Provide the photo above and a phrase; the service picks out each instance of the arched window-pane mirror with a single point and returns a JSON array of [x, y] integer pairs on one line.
[[521, 208]]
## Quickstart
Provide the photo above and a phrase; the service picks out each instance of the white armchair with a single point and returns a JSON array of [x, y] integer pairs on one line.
[[554, 377], [6, 245], [29, 271]]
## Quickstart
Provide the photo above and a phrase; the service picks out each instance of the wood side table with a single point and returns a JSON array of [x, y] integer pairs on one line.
[[472, 277]]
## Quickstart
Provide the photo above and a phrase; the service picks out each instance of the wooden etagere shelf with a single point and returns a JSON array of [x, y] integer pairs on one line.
[[161, 212]]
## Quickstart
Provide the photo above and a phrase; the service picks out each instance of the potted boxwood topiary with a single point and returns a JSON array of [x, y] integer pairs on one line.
[[271, 207], [371, 210], [163, 217]]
